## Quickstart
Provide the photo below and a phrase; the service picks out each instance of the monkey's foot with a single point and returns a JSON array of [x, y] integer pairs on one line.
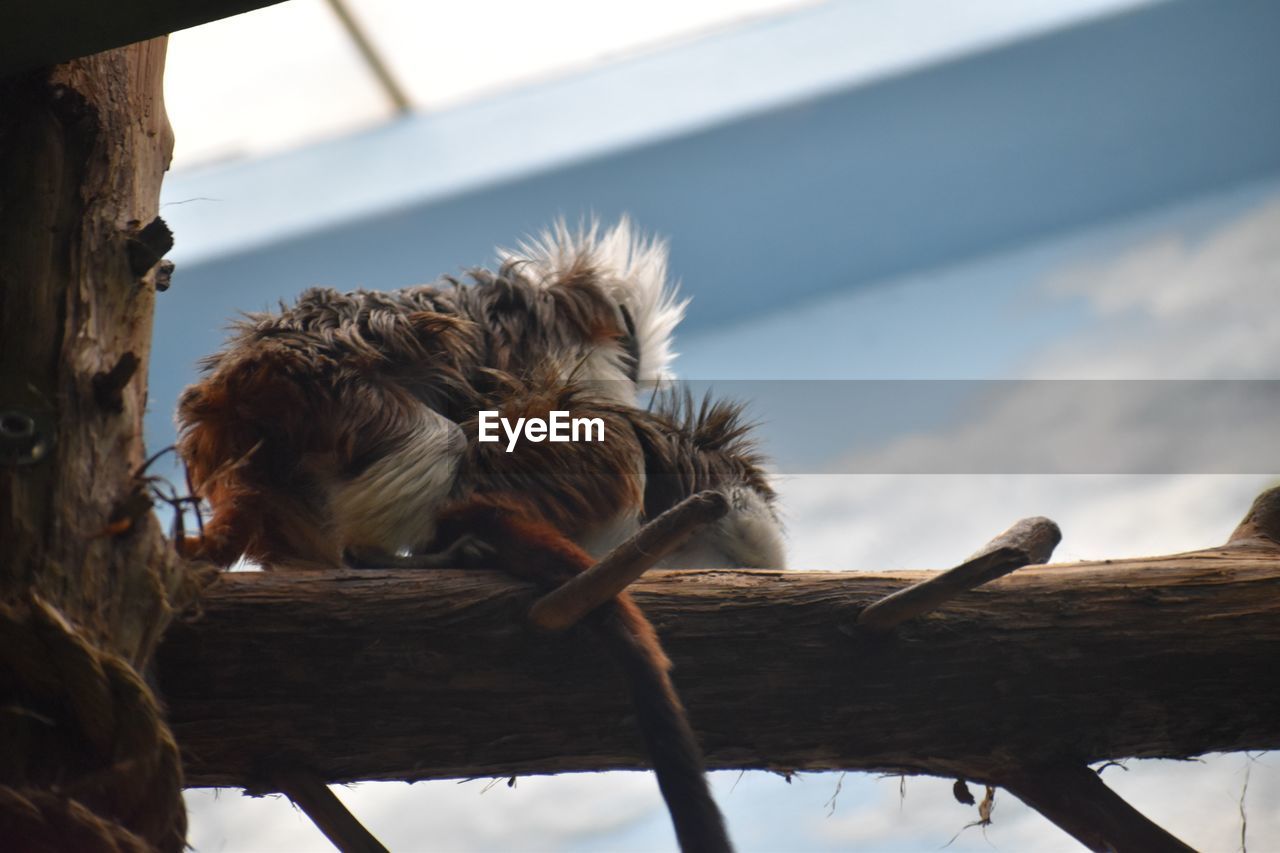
[[466, 552]]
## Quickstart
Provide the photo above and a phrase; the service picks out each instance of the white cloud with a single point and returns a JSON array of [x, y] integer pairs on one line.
[[1198, 801], [445, 815], [871, 522], [1174, 307], [1179, 307]]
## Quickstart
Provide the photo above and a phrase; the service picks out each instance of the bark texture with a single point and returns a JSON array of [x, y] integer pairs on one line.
[[86, 578], [425, 674]]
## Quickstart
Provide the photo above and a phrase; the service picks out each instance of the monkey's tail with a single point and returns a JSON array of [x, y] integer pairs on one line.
[[664, 725], [530, 548]]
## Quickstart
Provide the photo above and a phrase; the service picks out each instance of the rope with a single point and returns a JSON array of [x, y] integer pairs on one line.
[[91, 763]]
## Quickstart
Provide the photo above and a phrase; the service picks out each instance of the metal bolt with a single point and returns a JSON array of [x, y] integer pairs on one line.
[[16, 425], [24, 437]]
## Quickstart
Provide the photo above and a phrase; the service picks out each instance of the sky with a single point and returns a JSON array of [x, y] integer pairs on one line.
[[269, 98], [443, 54]]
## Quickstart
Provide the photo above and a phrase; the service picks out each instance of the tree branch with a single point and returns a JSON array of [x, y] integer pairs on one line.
[[1075, 798], [1029, 541], [564, 606], [327, 812], [423, 674]]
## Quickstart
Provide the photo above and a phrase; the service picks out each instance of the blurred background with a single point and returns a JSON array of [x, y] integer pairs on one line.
[[885, 191]]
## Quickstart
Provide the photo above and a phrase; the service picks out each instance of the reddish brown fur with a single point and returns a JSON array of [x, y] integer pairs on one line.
[[574, 486], [528, 547], [281, 416], [539, 552], [309, 398], [321, 390]]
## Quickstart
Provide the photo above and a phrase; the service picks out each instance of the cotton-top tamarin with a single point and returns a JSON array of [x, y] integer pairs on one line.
[[344, 429]]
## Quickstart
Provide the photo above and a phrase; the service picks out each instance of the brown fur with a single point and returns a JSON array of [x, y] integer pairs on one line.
[[321, 389], [529, 547], [283, 413], [307, 402], [573, 486], [689, 448]]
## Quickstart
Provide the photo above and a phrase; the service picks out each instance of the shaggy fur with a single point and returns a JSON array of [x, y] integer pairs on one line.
[[344, 428]]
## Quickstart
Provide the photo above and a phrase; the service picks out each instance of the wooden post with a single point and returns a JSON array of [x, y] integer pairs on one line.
[[87, 581]]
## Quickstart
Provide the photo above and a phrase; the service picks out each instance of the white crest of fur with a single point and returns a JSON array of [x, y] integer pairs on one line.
[[630, 266], [392, 505]]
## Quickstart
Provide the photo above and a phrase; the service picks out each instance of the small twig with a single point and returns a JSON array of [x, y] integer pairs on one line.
[[327, 812], [1077, 800], [1029, 541], [151, 460], [1261, 522], [564, 606], [1244, 815], [831, 803], [195, 501]]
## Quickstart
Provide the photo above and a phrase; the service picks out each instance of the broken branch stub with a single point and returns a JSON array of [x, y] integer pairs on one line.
[[1026, 543], [564, 606]]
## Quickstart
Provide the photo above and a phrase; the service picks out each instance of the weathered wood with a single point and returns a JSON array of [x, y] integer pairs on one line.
[[327, 812], [82, 154], [565, 606], [1075, 798], [35, 34], [86, 578], [1261, 525], [1030, 541], [410, 675]]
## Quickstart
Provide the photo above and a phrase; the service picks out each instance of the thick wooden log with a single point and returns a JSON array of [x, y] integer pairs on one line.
[[86, 578], [83, 149], [411, 675]]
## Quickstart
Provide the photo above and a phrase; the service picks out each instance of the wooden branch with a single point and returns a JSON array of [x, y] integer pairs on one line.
[[412, 675], [563, 607], [327, 812], [1075, 798], [46, 33], [1030, 541]]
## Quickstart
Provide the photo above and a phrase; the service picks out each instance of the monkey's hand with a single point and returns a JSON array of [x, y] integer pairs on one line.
[[465, 552]]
